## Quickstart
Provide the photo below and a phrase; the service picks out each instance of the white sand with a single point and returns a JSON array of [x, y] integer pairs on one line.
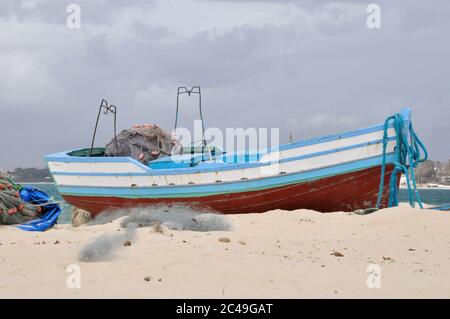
[[285, 255]]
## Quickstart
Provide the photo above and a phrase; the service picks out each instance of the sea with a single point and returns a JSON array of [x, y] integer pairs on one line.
[[431, 196]]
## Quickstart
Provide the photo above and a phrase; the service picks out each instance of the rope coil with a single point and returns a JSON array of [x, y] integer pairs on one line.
[[409, 153]]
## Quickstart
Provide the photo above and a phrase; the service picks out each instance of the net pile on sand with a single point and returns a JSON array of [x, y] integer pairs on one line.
[[144, 143], [13, 210]]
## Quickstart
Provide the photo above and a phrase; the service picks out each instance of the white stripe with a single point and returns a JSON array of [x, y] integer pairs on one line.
[[301, 165], [316, 148], [98, 167]]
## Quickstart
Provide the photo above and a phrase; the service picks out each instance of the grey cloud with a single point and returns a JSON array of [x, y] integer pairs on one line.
[[320, 72]]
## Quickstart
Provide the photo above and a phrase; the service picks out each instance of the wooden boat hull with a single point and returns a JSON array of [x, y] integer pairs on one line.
[[346, 192], [332, 173]]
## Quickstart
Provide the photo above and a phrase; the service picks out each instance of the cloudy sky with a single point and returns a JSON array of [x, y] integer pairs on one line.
[[307, 67]]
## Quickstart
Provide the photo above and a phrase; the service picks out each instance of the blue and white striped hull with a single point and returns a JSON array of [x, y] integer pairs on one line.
[[281, 178]]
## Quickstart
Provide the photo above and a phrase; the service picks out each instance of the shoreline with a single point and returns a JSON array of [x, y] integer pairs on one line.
[[440, 187], [27, 183]]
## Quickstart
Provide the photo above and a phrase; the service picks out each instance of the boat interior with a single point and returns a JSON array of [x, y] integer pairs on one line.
[[190, 156]]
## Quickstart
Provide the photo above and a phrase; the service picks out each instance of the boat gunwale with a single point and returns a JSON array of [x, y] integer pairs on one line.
[[227, 166]]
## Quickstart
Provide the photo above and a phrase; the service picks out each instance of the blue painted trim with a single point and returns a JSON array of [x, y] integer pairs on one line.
[[205, 168], [62, 157], [328, 138], [406, 113], [223, 188]]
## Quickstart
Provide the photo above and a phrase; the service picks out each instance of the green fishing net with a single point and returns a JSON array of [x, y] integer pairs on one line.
[[13, 210]]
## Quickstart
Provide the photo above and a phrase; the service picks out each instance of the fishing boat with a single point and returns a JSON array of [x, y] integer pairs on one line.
[[354, 170]]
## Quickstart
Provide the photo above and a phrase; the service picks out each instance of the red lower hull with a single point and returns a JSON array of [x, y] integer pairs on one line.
[[345, 192]]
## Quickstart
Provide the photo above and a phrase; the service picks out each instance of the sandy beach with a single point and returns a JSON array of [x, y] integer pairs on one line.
[[278, 254]]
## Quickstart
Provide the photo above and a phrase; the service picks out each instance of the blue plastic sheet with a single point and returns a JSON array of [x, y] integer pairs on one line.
[[51, 210]]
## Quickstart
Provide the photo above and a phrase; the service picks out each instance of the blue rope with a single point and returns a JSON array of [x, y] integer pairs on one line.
[[409, 152]]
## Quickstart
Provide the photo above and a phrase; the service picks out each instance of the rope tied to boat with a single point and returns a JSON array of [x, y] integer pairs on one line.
[[409, 153]]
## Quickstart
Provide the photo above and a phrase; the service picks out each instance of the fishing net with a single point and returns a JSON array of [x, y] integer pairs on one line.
[[142, 142], [13, 210]]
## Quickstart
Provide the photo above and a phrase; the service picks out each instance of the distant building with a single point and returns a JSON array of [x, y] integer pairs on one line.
[[445, 179]]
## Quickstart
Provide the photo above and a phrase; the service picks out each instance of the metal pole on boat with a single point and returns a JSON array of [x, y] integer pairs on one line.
[[201, 113], [195, 89], [107, 109]]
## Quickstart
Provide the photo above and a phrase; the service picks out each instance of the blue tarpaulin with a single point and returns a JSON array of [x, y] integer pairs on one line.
[[50, 209]]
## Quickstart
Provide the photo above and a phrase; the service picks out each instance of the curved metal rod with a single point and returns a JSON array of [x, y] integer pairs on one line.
[[196, 90], [106, 110]]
